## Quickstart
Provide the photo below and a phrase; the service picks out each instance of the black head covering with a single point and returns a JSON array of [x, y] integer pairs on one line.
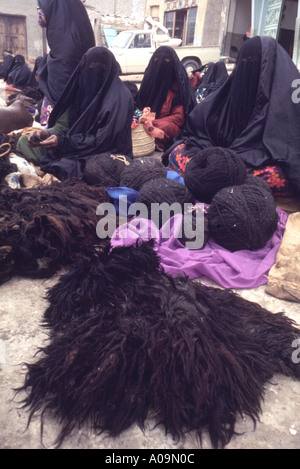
[[163, 70], [244, 88], [5, 68], [20, 74], [37, 63], [214, 75], [100, 115], [69, 36], [253, 112]]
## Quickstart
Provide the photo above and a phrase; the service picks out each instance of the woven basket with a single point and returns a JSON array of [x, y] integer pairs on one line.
[[142, 143]]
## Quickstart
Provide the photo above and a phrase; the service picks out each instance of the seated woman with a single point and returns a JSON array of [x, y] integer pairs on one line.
[[93, 115], [207, 79], [253, 113], [166, 89], [20, 74], [6, 64]]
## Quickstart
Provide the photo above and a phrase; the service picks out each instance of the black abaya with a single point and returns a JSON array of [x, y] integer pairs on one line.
[[165, 69], [69, 35], [20, 74], [100, 115], [6, 66], [214, 75], [253, 112]]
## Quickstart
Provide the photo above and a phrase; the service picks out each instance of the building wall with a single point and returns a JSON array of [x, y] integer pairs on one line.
[[134, 9], [27, 9], [212, 24], [210, 20], [239, 22]]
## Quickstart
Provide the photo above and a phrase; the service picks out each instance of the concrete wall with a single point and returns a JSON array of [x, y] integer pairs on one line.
[[134, 9], [239, 21], [26, 8], [212, 23], [157, 6]]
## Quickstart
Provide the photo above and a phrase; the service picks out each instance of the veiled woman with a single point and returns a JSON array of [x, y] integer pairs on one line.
[[166, 89], [20, 74], [69, 35], [254, 114], [93, 115], [7, 62]]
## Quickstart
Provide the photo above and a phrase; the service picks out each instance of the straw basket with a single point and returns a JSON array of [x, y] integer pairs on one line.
[[142, 143]]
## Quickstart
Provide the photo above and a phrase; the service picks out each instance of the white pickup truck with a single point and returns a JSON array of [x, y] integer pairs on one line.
[[133, 50]]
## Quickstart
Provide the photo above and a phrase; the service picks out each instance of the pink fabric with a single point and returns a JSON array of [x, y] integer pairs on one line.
[[240, 269]]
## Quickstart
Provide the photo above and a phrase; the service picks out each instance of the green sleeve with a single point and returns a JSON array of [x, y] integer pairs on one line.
[[61, 126]]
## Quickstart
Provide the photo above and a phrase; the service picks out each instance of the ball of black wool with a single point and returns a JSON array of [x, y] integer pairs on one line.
[[211, 169], [105, 169], [142, 170], [242, 217], [258, 181], [168, 191]]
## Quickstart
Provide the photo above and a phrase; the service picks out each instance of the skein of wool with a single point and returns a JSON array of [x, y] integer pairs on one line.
[[105, 169], [258, 181], [128, 341], [159, 191], [212, 169], [142, 170], [242, 217]]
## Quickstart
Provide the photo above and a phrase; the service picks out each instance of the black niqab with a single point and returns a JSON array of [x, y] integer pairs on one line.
[[253, 112], [214, 75], [20, 74], [165, 69], [69, 35], [6, 66], [100, 115]]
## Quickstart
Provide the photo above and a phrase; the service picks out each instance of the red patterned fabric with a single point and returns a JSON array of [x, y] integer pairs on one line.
[[273, 175]]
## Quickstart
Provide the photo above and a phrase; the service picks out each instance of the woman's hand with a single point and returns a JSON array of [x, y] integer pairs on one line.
[[51, 142], [37, 136]]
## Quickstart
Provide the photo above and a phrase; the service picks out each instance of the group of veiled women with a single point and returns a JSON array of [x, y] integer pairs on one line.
[[251, 111]]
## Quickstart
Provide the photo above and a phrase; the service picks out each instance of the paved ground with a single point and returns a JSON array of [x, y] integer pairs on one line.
[[21, 307]]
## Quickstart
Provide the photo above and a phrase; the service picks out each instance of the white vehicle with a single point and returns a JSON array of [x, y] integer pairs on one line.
[[133, 50]]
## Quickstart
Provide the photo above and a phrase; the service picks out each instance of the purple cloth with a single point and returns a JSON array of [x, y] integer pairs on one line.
[[240, 269]]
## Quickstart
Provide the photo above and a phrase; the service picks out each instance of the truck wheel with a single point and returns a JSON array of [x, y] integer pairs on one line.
[[191, 64]]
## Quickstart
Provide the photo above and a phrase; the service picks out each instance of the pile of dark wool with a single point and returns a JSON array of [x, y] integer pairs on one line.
[[258, 181], [242, 217], [6, 167], [29, 96], [212, 169], [127, 341], [165, 192], [45, 228], [105, 169], [190, 225], [12, 139], [142, 170]]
